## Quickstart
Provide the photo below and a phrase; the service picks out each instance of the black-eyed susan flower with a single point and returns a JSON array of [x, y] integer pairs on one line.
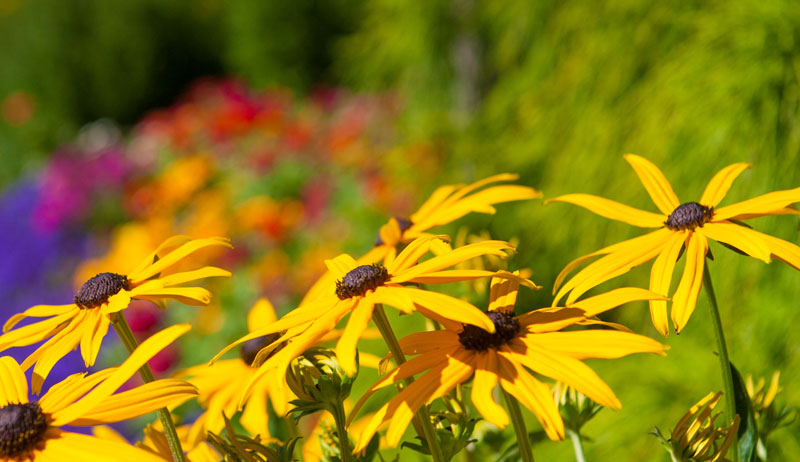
[[85, 321], [688, 226], [519, 344], [220, 384], [358, 288], [446, 204], [696, 437], [31, 430]]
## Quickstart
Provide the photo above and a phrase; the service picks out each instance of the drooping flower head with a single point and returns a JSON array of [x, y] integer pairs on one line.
[[680, 226], [358, 288], [518, 345], [30, 430], [85, 321]]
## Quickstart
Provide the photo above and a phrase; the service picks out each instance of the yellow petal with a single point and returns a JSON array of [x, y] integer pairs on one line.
[[482, 385], [411, 254], [771, 201], [38, 311], [172, 242], [261, 315], [48, 354], [685, 297], [74, 446], [186, 276], [655, 183], [36, 332], [346, 346], [138, 401], [593, 306], [604, 344], [14, 385], [96, 329], [744, 239], [177, 255], [390, 233], [661, 278], [613, 210], [782, 250], [70, 389], [480, 202], [395, 296], [137, 359], [423, 391], [532, 393], [340, 266], [194, 296], [423, 342], [433, 202], [719, 185], [610, 267], [451, 308], [458, 255], [255, 418], [625, 256], [503, 294], [564, 369], [297, 317], [408, 369]]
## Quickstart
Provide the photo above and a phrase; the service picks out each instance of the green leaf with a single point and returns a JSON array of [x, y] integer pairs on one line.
[[748, 433]]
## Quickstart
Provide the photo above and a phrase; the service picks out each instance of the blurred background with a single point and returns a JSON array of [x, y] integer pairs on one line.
[[298, 127]]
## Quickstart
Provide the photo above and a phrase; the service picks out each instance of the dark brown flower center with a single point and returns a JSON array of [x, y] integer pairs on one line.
[[251, 347], [506, 328], [22, 428], [361, 279], [404, 225], [689, 216], [98, 289]]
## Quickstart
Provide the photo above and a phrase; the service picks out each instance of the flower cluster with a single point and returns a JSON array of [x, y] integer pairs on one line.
[[255, 167]]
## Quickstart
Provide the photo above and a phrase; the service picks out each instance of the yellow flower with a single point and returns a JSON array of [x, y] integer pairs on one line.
[[519, 344], [446, 204], [85, 322], [220, 384], [31, 430], [359, 288], [696, 437], [688, 226]]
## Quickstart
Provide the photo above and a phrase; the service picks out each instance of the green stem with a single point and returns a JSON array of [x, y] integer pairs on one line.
[[724, 362], [523, 441], [422, 417], [126, 335], [344, 446], [577, 445]]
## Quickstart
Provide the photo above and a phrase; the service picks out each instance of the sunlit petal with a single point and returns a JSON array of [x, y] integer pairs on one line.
[[655, 183], [719, 185], [613, 210]]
